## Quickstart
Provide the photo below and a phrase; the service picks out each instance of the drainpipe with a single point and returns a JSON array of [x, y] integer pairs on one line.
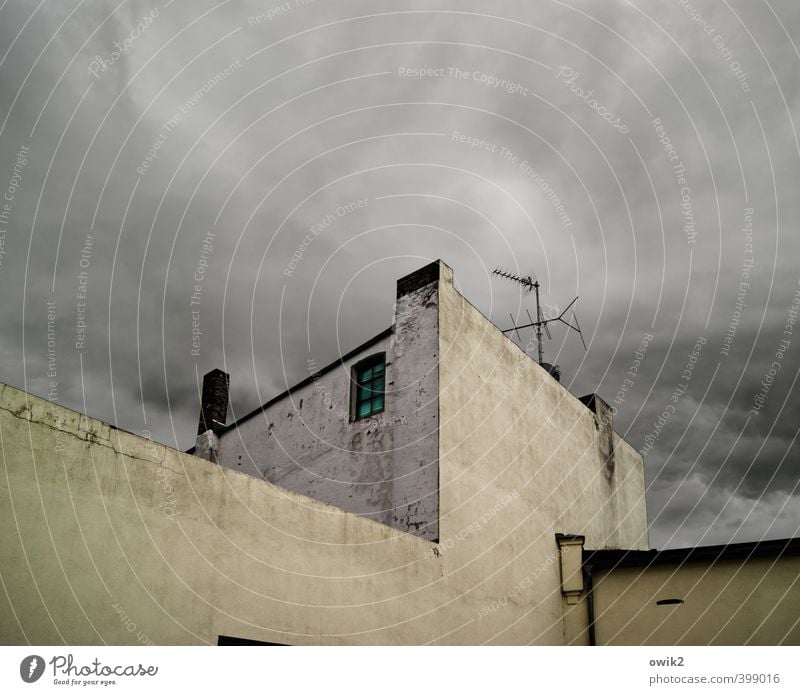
[[587, 573]]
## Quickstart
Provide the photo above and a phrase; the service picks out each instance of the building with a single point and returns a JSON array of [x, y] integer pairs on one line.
[[373, 452], [433, 486], [367, 433], [741, 593]]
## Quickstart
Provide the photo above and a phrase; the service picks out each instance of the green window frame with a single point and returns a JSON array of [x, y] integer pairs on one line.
[[370, 386]]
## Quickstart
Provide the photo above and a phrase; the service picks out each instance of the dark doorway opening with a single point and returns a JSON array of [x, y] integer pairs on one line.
[[226, 641]]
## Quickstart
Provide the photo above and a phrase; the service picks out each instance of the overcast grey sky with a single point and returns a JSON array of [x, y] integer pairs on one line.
[[642, 155]]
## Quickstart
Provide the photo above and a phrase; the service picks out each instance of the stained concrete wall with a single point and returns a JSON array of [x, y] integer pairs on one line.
[[752, 601], [509, 429], [110, 538], [384, 467]]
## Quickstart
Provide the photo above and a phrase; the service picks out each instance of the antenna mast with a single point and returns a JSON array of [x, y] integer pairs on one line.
[[540, 323]]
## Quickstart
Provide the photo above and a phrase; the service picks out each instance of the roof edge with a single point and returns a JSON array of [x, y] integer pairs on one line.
[[600, 559]]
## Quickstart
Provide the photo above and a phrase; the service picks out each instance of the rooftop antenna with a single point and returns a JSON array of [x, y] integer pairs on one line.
[[540, 324]]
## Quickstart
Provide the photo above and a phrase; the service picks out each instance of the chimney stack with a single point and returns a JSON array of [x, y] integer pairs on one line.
[[604, 421], [213, 413], [214, 404]]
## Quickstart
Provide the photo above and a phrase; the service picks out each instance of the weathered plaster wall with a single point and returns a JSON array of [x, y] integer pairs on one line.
[[509, 429], [110, 538], [385, 467], [756, 601]]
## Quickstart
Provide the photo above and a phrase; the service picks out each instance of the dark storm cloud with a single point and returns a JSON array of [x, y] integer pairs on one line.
[[220, 136]]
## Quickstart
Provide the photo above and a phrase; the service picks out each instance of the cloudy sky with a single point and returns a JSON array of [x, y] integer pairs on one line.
[[642, 155]]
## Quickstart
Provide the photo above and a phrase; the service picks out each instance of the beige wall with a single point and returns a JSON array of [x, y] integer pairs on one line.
[[507, 428], [728, 602], [109, 538], [103, 530]]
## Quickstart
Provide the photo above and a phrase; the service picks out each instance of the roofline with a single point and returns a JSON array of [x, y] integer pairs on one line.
[[602, 559], [305, 382]]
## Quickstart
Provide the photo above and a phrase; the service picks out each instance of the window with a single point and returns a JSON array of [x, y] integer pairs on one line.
[[370, 379]]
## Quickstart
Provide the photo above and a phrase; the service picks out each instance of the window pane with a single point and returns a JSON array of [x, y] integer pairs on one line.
[[370, 386]]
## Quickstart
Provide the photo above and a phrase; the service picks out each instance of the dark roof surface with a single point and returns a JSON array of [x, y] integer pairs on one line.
[[703, 553]]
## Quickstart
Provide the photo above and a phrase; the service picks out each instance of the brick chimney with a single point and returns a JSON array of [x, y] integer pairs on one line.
[[213, 413]]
